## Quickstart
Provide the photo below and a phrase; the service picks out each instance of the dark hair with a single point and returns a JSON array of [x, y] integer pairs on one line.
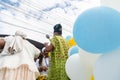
[[58, 28]]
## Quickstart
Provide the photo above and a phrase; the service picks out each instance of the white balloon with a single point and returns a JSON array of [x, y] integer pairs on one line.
[[107, 66], [75, 68], [80, 66], [88, 58], [72, 61]]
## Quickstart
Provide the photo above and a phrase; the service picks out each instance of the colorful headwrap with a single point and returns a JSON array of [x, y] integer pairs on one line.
[[58, 28]]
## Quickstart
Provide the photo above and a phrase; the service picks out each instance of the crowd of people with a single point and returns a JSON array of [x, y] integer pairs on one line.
[[21, 60]]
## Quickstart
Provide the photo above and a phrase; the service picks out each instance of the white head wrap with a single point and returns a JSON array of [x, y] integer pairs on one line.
[[14, 44], [20, 33]]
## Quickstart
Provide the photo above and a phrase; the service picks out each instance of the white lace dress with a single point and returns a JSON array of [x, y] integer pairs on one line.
[[21, 65]]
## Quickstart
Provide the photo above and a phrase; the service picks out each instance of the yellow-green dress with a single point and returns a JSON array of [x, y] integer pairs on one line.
[[58, 59]]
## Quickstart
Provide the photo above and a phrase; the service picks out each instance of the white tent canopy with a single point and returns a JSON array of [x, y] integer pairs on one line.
[[37, 17]]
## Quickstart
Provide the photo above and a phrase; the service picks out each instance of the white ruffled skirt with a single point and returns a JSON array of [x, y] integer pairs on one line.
[[21, 73]]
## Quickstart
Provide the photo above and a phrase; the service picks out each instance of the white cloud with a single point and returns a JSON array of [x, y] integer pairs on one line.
[[41, 15]]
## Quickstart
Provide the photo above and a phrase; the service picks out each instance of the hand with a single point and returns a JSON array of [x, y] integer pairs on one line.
[[40, 69], [46, 54], [43, 68], [46, 44], [11, 50]]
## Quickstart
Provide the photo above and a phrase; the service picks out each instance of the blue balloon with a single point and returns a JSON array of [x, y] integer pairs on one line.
[[68, 38], [97, 30], [73, 50]]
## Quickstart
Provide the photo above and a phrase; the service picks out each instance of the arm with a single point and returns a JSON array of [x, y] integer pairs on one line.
[[2, 43], [49, 48]]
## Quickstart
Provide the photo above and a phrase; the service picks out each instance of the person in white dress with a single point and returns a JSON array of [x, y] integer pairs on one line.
[[17, 58]]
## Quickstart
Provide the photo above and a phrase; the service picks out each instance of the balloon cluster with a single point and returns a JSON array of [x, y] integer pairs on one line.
[[97, 35]]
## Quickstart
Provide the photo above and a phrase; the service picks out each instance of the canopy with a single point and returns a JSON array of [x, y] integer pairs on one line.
[[37, 17]]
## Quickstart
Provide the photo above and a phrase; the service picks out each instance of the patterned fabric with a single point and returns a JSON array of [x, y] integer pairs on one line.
[[58, 59], [21, 73]]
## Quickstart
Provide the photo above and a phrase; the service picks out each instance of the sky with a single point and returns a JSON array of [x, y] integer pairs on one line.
[[36, 18]]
